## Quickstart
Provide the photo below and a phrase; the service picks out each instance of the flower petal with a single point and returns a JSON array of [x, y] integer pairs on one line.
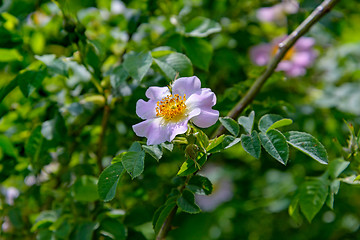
[[146, 110], [202, 98], [296, 71], [304, 43], [304, 58], [157, 131], [206, 118], [177, 128], [157, 93], [260, 54], [186, 85], [152, 130], [270, 14]]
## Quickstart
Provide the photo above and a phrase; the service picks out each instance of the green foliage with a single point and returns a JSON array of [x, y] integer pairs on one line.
[[231, 125], [186, 202], [251, 144], [308, 145], [275, 144], [108, 181], [72, 73]]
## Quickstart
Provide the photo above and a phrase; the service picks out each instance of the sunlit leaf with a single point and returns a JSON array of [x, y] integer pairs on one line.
[[308, 145]]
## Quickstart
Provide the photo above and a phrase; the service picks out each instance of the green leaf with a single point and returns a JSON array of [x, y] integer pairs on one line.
[[174, 63], [231, 125], [7, 146], [215, 145], [29, 81], [9, 55], [186, 202], [163, 212], [135, 147], [272, 121], [85, 231], [308, 145], [247, 122], [5, 90], [119, 86], [154, 150], [199, 51], [108, 181], [202, 139], [294, 209], [251, 144], [201, 27], [334, 189], [189, 166], [168, 146], [336, 167], [85, 189], [45, 217], [312, 197], [54, 65], [137, 64], [133, 162], [200, 185], [229, 141], [114, 228], [33, 145], [275, 144]]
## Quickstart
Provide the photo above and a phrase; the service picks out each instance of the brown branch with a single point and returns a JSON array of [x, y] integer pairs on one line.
[[284, 46]]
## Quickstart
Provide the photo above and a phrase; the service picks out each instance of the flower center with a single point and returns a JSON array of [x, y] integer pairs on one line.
[[172, 107], [288, 54]]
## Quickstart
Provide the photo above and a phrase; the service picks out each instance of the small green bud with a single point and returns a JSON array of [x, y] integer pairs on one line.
[[191, 151]]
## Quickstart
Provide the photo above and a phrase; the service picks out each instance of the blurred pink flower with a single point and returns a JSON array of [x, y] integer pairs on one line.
[[277, 13], [169, 110], [296, 60], [223, 189]]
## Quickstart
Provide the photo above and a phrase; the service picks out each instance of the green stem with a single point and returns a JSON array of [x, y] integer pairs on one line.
[[284, 46]]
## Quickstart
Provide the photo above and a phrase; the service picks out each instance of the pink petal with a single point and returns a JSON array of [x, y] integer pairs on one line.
[[260, 54], [157, 93], [152, 130], [146, 110], [177, 128], [304, 58], [296, 71], [284, 66], [202, 98], [186, 85], [304, 43], [270, 14], [207, 118]]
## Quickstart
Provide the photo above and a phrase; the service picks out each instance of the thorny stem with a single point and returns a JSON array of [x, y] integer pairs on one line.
[[284, 46]]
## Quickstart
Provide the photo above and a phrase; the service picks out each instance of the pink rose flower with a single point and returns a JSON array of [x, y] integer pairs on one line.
[[296, 60], [169, 110]]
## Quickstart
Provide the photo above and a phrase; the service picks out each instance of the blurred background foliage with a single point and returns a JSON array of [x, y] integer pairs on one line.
[[72, 71]]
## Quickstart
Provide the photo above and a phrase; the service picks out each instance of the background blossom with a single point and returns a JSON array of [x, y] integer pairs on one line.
[[278, 12], [295, 62]]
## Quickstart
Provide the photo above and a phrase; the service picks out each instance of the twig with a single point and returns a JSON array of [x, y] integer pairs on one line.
[[284, 46], [166, 227], [104, 123]]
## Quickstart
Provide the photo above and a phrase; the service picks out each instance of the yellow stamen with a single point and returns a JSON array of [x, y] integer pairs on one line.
[[171, 108]]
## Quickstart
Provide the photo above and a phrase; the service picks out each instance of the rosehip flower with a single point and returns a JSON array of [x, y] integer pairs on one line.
[[169, 110], [296, 60], [277, 13]]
